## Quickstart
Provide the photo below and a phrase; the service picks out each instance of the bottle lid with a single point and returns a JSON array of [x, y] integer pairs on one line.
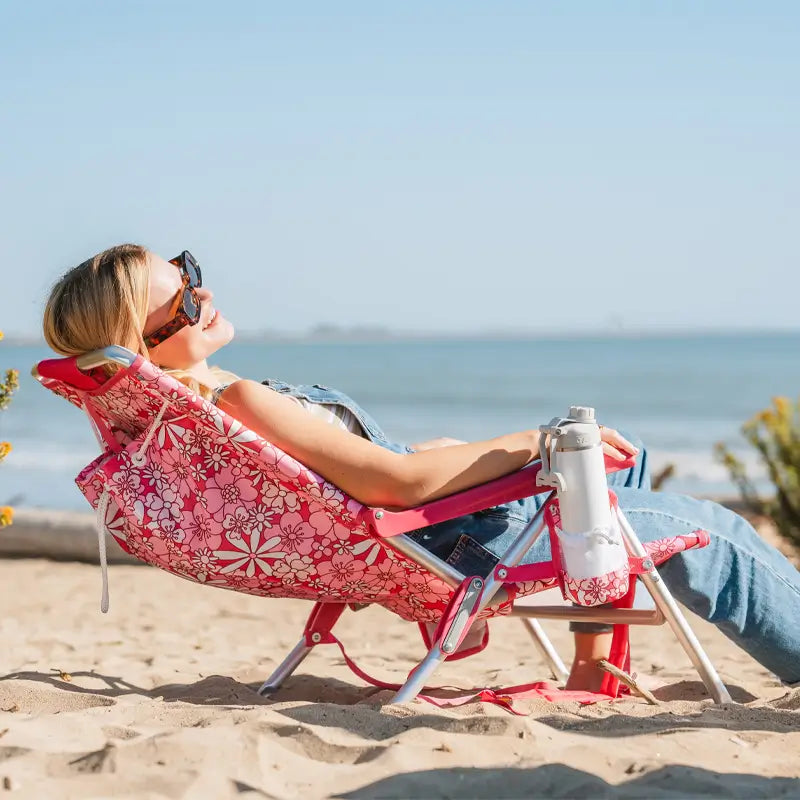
[[580, 430], [581, 413]]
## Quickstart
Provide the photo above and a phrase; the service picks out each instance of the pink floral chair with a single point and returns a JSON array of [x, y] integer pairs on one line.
[[185, 487]]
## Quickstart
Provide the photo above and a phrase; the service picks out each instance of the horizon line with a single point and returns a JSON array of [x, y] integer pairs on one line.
[[375, 333]]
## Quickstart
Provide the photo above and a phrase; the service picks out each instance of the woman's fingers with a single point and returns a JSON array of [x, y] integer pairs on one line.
[[612, 451], [617, 441]]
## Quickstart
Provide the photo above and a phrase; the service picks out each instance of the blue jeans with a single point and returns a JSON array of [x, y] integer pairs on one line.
[[738, 582]]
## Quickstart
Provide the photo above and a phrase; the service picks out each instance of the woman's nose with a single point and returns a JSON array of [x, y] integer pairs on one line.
[[204, 294]]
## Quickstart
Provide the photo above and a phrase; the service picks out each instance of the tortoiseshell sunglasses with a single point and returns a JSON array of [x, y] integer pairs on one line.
[[186, 308]]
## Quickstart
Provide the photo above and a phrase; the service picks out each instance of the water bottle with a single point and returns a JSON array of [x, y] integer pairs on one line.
[[593, 554]]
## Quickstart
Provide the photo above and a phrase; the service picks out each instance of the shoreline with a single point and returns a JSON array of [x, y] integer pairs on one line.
[[61, 535], [325, 333]]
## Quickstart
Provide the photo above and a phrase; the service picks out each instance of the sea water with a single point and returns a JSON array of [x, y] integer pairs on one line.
[[680, 394]]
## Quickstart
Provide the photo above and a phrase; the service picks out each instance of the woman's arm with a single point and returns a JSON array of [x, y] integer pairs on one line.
[[440, 441], [370, 473]]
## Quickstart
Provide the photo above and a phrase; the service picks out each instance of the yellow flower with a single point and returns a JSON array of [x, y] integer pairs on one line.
[[765, 418], [6, 516], [5, 449], [783, 405]]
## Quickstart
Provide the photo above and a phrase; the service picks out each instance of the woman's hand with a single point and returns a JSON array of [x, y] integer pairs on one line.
[[616, 445]]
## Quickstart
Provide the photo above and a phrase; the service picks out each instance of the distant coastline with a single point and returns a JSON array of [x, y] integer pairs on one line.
[[328, 332]]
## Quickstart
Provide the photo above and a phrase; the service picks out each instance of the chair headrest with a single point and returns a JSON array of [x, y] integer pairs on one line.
[[66, 370]]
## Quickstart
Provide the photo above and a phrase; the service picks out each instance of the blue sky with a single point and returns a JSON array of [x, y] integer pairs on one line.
[[436, 166]]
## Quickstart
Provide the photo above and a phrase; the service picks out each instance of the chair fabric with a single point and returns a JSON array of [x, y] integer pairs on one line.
[[212, 502], [194, 492]]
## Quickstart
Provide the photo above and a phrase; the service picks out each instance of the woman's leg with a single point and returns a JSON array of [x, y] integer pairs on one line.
[[738, 582], [590, 648]]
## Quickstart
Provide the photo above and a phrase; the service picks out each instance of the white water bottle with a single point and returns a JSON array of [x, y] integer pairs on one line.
[[593, 555]]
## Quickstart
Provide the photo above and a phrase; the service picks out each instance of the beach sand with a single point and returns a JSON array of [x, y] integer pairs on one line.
[[157, 699]]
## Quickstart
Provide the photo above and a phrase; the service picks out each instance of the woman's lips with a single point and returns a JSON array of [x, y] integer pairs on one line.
[[214, 319]]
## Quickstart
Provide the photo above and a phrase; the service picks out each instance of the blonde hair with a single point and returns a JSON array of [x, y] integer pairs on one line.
[[104, 301]]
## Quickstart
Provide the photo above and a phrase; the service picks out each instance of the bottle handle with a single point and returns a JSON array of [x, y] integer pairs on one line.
[[547, 453]]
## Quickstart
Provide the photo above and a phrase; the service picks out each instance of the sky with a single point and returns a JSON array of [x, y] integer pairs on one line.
[[440, 166]]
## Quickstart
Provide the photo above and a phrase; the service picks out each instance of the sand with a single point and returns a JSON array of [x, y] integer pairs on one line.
[[157, 699]]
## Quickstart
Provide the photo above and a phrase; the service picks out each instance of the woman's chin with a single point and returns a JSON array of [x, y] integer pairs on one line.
[[228, 330], [220, 334]]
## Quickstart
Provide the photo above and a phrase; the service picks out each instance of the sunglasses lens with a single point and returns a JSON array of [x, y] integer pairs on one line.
[[193, 270], [191, 305]]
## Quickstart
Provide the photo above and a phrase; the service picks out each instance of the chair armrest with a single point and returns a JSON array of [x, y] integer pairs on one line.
[[511, 487]]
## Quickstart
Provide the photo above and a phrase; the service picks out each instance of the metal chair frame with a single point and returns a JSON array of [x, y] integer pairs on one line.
[[487, 591], [666, 610]]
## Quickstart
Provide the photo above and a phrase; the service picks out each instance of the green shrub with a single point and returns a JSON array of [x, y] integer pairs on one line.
[[775, 434]]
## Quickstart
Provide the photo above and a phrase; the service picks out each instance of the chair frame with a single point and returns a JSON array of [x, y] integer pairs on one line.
[[473, 594], [666, 610]]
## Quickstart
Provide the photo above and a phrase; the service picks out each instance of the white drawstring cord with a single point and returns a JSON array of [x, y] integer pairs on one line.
[[138, 460], [102, 508]]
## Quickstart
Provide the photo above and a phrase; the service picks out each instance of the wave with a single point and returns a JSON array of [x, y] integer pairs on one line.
[[48, 459], [698, 473]]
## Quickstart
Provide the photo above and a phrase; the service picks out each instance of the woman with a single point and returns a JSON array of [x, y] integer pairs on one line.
[[129, 296]]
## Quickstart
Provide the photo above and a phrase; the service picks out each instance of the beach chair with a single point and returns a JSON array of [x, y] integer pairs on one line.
[[185, 487]]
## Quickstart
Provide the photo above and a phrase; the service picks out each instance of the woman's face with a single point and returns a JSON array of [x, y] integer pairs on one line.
[[192, 344]]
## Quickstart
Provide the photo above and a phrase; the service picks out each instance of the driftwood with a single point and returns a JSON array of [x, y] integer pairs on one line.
[[58, 535], [629, 681]]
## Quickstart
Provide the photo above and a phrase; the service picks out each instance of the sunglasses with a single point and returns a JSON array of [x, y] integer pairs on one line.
[[186, 308]]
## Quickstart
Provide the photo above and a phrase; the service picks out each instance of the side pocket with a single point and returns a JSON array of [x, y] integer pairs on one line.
[[471, 558]]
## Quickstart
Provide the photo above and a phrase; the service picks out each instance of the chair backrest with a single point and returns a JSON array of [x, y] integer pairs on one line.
[[194, 492]]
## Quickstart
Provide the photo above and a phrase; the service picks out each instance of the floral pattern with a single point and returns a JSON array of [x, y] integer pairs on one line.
[[600, 589], [212, 502]]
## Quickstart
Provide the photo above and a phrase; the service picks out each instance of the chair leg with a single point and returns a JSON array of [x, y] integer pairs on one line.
[[557, 667], [461, 614], [666, 604], [320, 621], [286, 668], [479, 594]]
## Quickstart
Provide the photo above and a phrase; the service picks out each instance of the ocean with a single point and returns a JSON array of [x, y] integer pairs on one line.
[[680, 394]]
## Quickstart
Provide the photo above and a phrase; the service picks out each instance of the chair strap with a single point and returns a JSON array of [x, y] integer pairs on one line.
[[538, 571], [503, 697], [102, 430], [620, 654]]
